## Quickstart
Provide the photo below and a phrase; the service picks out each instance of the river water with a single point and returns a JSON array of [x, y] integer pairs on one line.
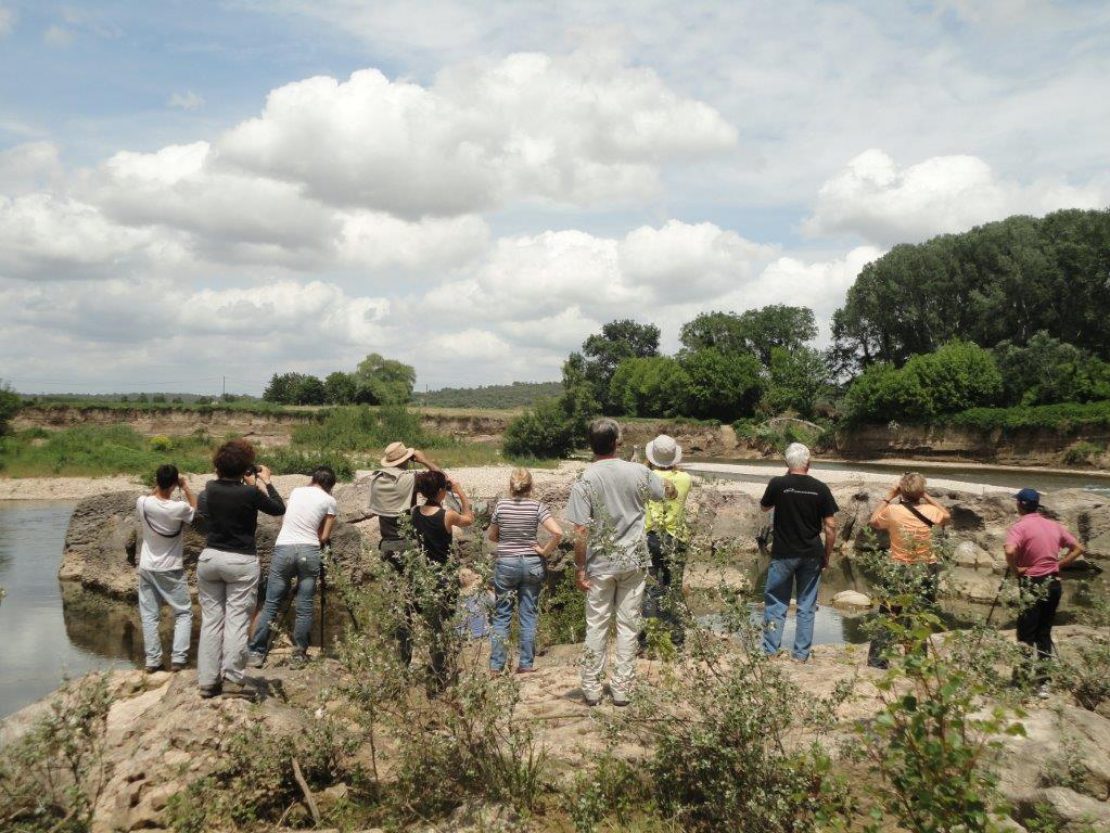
[[36, 648]]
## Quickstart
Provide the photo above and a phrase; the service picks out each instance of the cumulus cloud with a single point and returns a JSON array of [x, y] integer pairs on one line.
[[7, 21], [882, 203], [30, 166], [579, 129], [58, 36], [187, 100]]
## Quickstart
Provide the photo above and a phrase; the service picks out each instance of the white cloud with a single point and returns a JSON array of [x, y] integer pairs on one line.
[[48, 237], [187, 100], [581, 129], [29, 167], [8, 18], [882, 203], [58, 36]]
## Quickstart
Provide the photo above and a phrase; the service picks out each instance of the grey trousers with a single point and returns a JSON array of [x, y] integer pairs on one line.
[[227, 584], [167, 587]]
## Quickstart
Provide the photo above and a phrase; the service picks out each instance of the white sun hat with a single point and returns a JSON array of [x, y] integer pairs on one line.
[[663, 451]]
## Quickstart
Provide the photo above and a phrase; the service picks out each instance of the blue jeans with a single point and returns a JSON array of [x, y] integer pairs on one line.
[[524, 575], [302, 561], [782, 576], [165, 588]]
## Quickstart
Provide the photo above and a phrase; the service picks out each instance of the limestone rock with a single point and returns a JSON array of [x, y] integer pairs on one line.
[[970, 554], [851, 599], [1078, 812]]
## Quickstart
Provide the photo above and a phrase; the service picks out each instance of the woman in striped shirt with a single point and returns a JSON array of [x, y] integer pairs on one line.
[[519, 570]]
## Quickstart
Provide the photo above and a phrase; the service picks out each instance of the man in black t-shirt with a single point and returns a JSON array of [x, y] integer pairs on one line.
[[804, 508]]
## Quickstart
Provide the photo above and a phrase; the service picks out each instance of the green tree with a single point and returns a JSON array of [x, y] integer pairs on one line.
[[799, 378], [309, 391], [1046, 371], [1000, 281], [958, 376], [545, 430], [604, 351], [382, 381], [340, 388], [756, 331], [282, 388], [10, 403], [650, 387], [724, 387]]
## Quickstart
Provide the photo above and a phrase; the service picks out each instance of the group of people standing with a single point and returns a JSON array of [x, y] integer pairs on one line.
[[629, 533]]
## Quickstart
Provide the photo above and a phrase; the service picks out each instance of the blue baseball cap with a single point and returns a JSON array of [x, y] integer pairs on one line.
[[1030, 497]]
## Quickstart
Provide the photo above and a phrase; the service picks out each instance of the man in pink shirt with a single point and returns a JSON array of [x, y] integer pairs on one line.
[[1033, 548]]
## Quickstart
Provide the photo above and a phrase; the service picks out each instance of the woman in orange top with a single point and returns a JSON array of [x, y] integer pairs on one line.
[[908, 514]]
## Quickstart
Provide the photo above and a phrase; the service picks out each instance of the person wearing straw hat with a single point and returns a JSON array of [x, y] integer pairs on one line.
[[392, 495], [1033, 547], [393, 492], [667, 534]]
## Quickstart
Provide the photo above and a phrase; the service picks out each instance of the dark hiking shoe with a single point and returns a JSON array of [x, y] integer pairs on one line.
[[298, 660], [591, 701], [153, 669], [210, 691], [178, 666], [242, 691]]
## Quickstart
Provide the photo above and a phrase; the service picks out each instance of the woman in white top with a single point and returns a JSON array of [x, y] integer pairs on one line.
[[305, 529]]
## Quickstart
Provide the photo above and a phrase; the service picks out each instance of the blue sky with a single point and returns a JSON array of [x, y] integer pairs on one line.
[[475, 187]]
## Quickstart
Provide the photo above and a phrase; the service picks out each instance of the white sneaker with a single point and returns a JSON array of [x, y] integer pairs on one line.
[[1044, 692]]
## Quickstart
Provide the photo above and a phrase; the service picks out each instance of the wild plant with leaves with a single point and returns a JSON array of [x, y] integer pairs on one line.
[[51, 778]]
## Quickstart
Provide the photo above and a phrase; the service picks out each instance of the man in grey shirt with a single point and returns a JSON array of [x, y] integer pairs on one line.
[[606, 507]]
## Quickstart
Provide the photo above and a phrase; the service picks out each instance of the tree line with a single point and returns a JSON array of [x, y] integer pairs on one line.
[[375, 381], [1008, 314]]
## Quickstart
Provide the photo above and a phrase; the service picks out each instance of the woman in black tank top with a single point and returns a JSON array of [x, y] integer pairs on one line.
[[432, 524]]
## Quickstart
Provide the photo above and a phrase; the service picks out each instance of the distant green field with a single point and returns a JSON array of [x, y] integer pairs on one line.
[[496, 397]]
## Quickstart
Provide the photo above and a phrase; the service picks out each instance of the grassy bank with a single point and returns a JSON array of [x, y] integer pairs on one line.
[[347, 439]]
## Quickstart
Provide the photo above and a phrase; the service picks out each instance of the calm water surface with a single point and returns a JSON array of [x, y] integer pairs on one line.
[[36, 652]]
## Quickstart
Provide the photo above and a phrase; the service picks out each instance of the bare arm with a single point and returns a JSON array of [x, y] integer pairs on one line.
[[466, 516], [185, 490], [494, 533], [1011, 559], [581, 536], [830, 539], [326, 527], [552, 526], [423, 459], [945, 517], [873, 522], [1072, 555]]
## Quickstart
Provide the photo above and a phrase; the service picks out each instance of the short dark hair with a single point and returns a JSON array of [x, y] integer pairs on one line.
[[167, 476], [603, 435], [430, 483], [233, 458], [324, 477]]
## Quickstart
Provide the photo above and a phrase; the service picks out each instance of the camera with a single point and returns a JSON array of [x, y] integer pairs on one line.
[[252, 471]]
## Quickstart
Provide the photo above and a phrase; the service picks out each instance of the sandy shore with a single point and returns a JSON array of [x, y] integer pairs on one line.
[[480, 481]]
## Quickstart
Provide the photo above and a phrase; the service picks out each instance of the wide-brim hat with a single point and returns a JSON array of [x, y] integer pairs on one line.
[[397, 453], [663, 451]]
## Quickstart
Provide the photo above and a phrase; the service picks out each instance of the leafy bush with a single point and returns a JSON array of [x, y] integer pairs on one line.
[[51, 778], [1081, 453], [722, 386], [10, 403], [1046, 370], [650, 387], [799, 378], [1067, 417], [97, 449], [287, 460], [544, 431], [359, 428], [958, 376]]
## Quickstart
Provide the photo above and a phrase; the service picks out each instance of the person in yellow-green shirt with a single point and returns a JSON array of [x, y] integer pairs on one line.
[[667, 535]]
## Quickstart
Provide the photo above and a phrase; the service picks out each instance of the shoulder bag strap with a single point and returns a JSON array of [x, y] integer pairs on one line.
[[153, 528], [916, 513]]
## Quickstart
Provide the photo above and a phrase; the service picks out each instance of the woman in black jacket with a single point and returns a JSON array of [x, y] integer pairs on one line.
[[227, 571]]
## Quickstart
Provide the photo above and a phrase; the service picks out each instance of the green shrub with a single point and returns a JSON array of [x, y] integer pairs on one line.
[[97, 450], [10, 403], [1067, 417], [544, 431], [51, 778], [287, 460], [161, 443], [656, 386], [722, 386], [1081, 453], [361, 428]]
